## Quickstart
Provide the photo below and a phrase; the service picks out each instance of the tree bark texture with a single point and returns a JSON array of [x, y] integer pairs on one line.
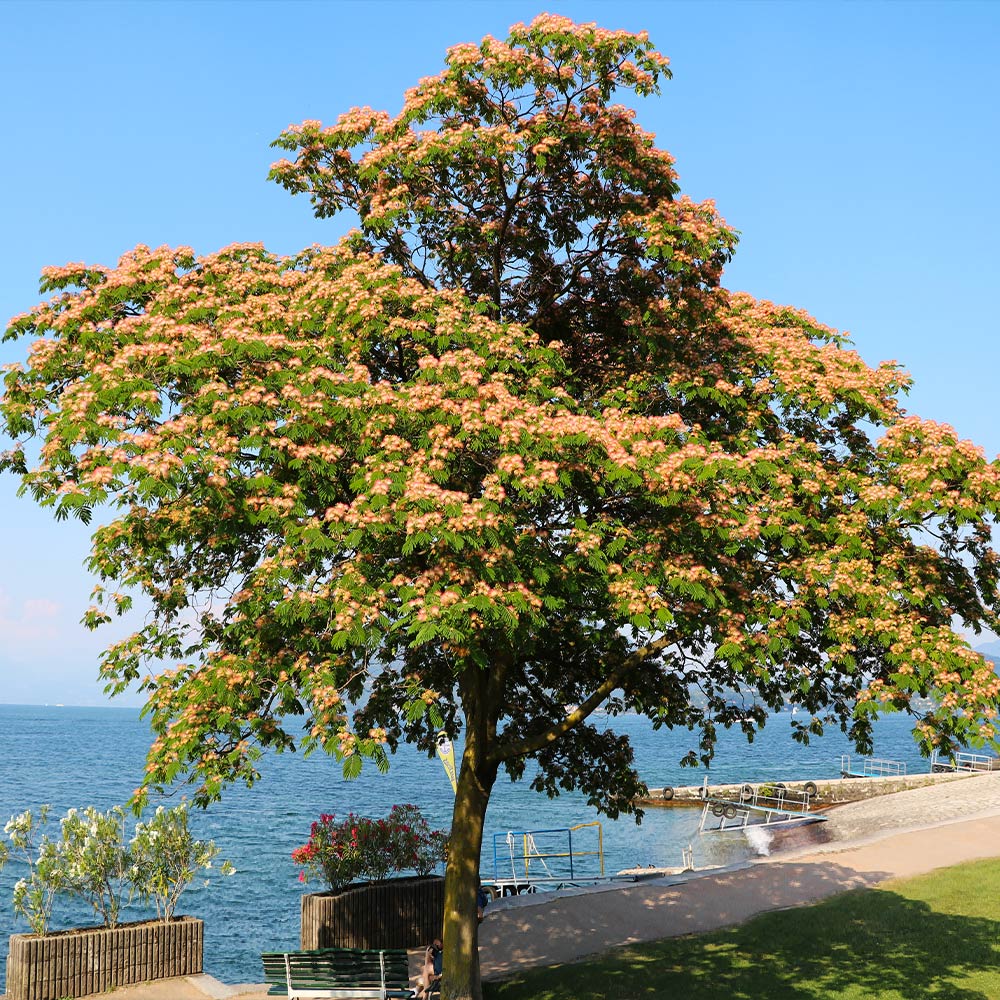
[[460, 969]]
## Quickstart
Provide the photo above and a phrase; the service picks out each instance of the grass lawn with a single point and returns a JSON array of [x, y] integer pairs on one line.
[[937, 936]]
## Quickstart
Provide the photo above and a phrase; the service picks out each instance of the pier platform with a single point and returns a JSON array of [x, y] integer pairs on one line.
[[832, 791]]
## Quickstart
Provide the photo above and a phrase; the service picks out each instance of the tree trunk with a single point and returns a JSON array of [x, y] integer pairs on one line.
[[460, 969]]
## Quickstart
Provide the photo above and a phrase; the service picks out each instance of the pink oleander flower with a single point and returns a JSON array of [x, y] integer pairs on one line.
[[360, 847]]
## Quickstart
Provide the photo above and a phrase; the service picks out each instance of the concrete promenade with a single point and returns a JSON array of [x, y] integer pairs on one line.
[[861, 845]]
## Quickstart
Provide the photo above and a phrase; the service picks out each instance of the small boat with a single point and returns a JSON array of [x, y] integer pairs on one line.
[[658, 871]]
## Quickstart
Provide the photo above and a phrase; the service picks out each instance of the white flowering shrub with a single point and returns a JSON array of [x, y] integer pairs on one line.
[[35, 893], [96, 865], [166, 858], [93, 860]]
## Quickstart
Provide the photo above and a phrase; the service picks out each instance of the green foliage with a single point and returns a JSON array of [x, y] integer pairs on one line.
[[360, 847], [93, 859], [34, 895], [166, 858], [96, 861]]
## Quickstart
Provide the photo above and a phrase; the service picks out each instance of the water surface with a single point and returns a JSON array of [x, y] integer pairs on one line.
[[95, 756]]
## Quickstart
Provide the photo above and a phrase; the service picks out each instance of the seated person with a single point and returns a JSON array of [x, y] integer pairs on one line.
[[430, 975]]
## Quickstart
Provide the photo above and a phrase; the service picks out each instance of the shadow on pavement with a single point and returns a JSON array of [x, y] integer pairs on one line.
[[864, 944], [567, 929]]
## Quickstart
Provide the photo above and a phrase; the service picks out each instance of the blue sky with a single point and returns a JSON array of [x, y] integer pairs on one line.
[[855, 147]]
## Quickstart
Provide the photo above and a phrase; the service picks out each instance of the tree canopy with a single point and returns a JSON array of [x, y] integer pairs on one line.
[[507, 453]]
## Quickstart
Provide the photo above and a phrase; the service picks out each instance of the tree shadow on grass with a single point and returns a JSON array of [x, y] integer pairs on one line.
[[549, 929], [867, 944]]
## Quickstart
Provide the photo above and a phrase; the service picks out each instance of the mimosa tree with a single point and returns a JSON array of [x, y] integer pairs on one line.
[[506, 454]]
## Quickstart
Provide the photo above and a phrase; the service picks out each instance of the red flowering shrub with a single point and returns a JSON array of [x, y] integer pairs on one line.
[[376, 839], [332, 852], [417, 846], [360, 847]]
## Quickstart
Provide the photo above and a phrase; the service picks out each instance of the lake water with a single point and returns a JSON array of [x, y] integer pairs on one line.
[[95, 756]]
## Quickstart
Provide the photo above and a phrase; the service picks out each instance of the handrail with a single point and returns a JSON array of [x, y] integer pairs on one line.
[[962, 761], [530, 853], [871, 767]]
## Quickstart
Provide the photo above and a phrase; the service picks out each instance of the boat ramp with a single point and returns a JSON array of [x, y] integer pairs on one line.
[[758, 806]]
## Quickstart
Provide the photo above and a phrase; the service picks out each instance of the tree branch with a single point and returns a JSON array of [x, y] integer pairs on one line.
[[531, 744]]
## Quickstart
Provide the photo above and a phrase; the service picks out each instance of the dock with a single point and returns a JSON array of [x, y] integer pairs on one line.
[[823, 791], [755, 813]]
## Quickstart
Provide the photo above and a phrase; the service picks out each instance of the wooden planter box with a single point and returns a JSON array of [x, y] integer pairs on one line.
[[397, 913], [80, 962]]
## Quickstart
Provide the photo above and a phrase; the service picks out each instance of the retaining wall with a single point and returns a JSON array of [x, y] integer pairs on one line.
[[397, 913], [79, 963], [828, 792]]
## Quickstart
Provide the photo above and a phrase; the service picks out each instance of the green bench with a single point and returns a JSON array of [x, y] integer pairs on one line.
[[347, 973]]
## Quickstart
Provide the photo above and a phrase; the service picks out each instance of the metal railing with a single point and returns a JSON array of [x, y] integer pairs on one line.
[[963, 761], [553, 863], [769, 804], [870, 767]]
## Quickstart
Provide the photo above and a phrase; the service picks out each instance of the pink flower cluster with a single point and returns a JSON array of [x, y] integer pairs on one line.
[[362, 848]]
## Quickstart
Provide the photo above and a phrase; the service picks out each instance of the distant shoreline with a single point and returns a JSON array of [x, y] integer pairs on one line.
[[52, 704]]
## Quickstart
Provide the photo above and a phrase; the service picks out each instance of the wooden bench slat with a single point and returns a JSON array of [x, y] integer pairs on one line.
[[346, 992], [339, 973]]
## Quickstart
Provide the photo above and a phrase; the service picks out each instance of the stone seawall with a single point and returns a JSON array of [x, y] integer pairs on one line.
[[827, 792]]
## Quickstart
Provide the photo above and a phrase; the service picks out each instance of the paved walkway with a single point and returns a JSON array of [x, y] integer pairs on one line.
[[916, 808], [862, 844], [568, 929]]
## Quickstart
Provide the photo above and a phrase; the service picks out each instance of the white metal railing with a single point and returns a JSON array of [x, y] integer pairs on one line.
[[769, 804], [774, 795], [963, 761], [870, 767]]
